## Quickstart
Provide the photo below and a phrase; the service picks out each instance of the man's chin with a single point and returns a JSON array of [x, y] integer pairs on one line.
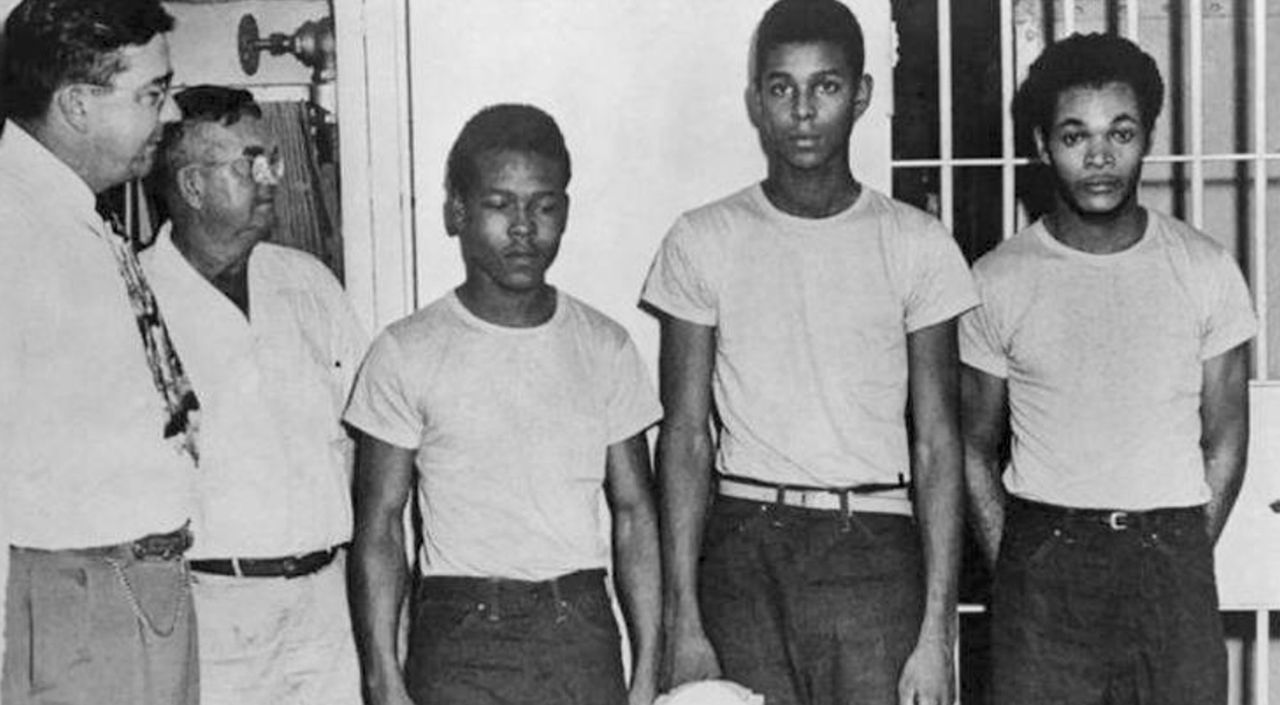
[[1101, 209], [140, 167]]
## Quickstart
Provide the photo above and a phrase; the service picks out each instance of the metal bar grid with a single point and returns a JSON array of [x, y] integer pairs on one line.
[[947, 163], [1151, 159], [1068, 18], [1259, 272], [1196, 96], [1009, 201], [1262, 657], [945, 135]]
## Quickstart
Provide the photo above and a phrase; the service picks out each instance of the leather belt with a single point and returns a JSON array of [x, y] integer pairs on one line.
[[282, 567], [153, 547], [1112, 519], [842, 499]]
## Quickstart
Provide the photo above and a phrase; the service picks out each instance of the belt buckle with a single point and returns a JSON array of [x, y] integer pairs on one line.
[[162, 547], [1118, 521]]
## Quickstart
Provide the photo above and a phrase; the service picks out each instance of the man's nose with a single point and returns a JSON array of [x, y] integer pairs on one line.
[[802, 106], [1099, 153], [522, 225], [169, 111]]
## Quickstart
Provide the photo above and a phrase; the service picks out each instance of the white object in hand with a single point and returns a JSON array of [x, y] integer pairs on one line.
[[711, 692]]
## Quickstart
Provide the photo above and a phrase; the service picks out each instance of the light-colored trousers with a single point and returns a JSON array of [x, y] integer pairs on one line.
[[86, 628], [277, 641]]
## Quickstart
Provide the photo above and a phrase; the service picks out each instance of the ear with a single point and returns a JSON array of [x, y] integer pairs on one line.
[[751, 97], [72, 105], [190, 187], [1042, 145], [862, 100], [455, 214]]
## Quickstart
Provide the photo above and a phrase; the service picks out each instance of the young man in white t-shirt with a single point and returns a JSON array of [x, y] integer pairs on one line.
[[518, 406], [1111, 340], [817, 311]]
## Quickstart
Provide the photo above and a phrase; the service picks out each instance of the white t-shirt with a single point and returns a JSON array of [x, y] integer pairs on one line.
[[274, 477], [83, 457], [1104, 360], [811, 319], [511, 427]]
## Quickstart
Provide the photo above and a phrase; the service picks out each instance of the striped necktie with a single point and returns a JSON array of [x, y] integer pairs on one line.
[[171, 382]]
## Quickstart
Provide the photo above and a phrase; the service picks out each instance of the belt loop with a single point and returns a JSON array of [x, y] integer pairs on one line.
[[846, 518], [781, 495], [562, 607], [493, 598], [235, 566]]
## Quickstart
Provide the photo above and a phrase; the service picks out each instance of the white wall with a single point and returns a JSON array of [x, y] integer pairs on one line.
[[203, 44], [649, 95]]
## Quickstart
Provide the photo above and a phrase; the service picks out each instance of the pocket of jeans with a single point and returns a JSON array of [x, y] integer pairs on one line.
[[60, 609], [724, 525], [593, 611], [1032, 549], [1189, 550], [438, 619]]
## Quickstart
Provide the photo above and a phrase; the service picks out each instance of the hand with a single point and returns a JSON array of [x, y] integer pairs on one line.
[[642, 694], [688, 657], [929, 676], [387, 694], [400, 698]]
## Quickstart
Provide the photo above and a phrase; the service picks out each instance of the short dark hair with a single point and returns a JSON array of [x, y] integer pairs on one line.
[[809, 21], [504, 127], [51, 43], [203, 104], [1091, 60]]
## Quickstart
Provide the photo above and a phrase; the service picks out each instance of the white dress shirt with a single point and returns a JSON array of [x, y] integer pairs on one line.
[[83, 458], [275, 460]]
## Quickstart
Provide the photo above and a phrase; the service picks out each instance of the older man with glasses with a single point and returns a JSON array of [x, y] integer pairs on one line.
[[272, 345]]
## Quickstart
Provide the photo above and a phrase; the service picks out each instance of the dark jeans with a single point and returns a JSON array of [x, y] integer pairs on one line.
[[1084, 614], [809, 606], [477, 641]]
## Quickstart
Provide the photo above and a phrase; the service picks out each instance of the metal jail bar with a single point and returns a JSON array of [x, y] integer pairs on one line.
[[1193, 155]]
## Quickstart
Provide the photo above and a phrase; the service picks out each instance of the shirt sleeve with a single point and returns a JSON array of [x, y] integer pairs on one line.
[[980, 344], [1231, 319], [381, 404], [678, 283], [633, 402], [941, 287]]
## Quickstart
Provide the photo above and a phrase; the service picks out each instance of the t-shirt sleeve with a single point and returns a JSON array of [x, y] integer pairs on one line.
[[980, 344], [679, 283], [941, 287], [381, 404], [1231, 319], [633, 402]]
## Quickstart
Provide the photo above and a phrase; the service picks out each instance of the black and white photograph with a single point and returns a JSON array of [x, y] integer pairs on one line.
[[640, 352]]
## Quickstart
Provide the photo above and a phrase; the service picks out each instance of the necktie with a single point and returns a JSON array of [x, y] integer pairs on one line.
[[171, 382]]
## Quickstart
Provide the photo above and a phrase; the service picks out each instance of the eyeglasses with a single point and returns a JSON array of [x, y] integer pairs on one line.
[[265, 169]]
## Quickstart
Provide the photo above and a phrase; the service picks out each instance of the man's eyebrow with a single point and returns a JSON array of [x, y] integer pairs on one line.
[[826, 75], [165, 80]]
